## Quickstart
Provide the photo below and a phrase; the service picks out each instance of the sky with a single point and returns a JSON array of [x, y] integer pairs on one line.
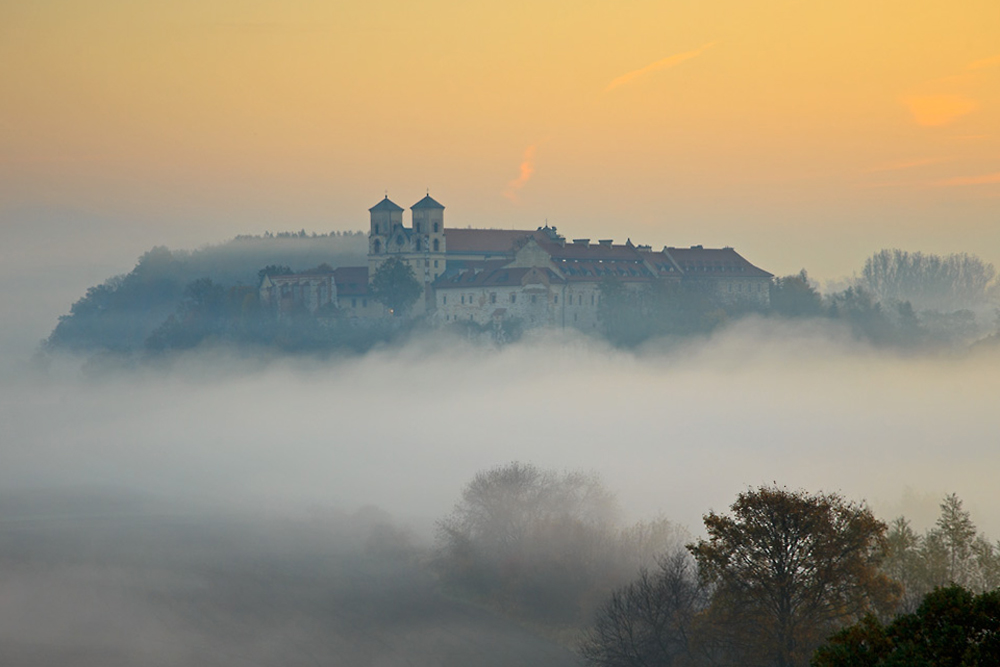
[[804, 134]]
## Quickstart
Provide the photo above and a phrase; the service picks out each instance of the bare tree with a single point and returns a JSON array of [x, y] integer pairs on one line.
[[649, 621], [928, 281]]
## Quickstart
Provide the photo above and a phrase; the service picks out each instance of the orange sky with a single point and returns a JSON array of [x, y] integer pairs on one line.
[[803, 133]]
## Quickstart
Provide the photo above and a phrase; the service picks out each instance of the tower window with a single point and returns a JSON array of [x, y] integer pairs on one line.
[[376, 228], [435, 228], [418, 245], [437, 245], [377, 246]]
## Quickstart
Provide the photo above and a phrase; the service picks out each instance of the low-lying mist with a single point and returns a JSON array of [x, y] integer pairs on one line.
[[674, 430]]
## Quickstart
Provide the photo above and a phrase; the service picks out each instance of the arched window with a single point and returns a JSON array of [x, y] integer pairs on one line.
[[437, 245], [377, 247]]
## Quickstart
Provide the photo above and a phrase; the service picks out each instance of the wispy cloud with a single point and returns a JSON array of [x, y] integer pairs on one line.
[[984, 179], [527, 169], [984, 63], [938, 110], [669, 61]]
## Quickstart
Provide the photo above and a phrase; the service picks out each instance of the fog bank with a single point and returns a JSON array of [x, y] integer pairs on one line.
[[676, 430]]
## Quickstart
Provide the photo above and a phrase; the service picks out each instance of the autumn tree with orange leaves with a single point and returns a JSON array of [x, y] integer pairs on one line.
[[787, 569]]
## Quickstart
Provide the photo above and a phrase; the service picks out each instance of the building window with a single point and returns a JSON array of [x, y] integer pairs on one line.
[[416, 227], [418, 245], [427, 263], [579, 300], [435, 263], [555, 298], [463, 299], [435, 230], [592, 299], [437, 245], [534, 298], [377, 247], [493, 297], [444, 300], [364, 303], [513, 298], [399, 240]]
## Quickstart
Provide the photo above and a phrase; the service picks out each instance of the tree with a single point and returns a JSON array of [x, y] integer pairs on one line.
[[648, 621], [951, 628], [528, 540], [957, 535], [789, 568], [951, 552], [794, 296], [904, 562], [930, 281], [395, 286], [274, 270]]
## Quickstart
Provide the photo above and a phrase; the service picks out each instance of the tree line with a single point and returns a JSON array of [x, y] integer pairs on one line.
[[785, 578], [902, 300]]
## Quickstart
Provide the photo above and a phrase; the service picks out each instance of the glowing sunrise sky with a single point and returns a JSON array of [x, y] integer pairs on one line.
[[805, 134]]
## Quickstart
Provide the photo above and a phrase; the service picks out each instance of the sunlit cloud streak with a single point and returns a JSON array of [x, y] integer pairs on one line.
[[669, 61], [938, 110], [527, 169]]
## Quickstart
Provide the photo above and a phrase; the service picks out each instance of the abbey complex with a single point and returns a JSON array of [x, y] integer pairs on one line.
[[491, 275]]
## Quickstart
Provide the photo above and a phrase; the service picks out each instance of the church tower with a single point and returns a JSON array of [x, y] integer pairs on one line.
[[428, 226], [386, 217]]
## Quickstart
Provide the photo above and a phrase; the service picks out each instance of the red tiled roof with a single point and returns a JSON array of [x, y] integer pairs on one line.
[[351, 280], [716, 262], [591, 252], [486, 240], [584, 271]]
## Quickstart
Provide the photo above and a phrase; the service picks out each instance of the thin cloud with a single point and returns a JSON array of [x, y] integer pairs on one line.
[[984, 179], [527, 169], [938, 110], [669, 61], [984, 63]]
